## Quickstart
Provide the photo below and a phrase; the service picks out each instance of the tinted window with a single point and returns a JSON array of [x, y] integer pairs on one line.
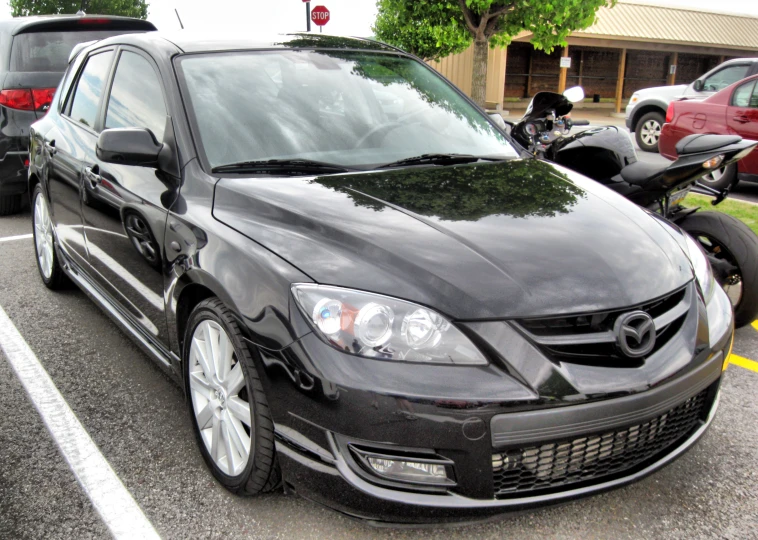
[[89, 89], [349, 108], [741, 96], [136, 99], [725, 77], [48, 51]]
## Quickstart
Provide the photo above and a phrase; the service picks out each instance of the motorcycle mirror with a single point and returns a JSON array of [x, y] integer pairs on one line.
[[498, 120], [575, 94]]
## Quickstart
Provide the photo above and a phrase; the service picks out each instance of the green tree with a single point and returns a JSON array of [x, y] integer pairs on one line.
[[436, 28], [127, 8]]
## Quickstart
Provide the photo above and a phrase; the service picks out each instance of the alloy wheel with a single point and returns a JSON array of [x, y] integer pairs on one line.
[[43, 236], [714, 176], [650, 132], [220, 398]]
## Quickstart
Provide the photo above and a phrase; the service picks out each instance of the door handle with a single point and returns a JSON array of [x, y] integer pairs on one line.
[[742, 119], [50, 147], [91, 174]]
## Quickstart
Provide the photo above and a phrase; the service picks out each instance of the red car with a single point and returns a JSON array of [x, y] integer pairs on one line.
[[731, 111]]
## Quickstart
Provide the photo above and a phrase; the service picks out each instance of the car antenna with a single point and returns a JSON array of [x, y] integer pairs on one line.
[[178, 17]]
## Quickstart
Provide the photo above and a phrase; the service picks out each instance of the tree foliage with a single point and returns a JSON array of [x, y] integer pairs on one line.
[[126, 8], [430, 29], [433, 29]]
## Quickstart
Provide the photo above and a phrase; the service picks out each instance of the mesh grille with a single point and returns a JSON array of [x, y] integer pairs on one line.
[[565, 462]]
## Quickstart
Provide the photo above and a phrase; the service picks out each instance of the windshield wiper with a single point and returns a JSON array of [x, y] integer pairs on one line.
[[438, 159], [292, 166]]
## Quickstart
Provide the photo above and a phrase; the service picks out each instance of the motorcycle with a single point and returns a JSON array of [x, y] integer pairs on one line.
[[606, 154]]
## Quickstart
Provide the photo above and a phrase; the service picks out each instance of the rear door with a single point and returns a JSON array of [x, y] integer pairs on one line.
[[71, 144], [742, 118], [124, 208]]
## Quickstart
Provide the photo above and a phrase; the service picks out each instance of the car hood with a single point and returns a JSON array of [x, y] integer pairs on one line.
[[520, 238], [662, 91]]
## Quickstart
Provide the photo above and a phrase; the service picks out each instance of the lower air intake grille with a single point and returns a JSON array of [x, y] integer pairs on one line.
[[559, 463]]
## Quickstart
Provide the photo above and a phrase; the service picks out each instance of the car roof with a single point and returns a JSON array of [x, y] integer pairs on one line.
[[189, 42], [20, 25]]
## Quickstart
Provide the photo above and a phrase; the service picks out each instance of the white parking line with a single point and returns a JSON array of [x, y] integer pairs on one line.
[[19, 237], [110, 498]]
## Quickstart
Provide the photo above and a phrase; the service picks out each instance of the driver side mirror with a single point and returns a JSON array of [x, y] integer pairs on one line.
[[128, 146], [575, 94], [698, 85]]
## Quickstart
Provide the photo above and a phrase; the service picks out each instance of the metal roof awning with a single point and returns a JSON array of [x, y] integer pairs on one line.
[[646, 26]]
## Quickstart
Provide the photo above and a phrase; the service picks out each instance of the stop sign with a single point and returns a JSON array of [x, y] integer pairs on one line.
[[320, 15]]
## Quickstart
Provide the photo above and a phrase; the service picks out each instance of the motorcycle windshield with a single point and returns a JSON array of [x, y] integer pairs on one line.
[[547, 101]]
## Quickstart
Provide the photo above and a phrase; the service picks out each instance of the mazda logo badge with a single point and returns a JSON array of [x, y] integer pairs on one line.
[[635, 334]]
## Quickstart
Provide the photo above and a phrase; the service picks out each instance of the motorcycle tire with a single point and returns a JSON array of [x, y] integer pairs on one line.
[[730, 239]]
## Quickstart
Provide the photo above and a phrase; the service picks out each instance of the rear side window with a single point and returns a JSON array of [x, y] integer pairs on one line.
[[48, 51], [89, 89], [136, 97], [741, 96]]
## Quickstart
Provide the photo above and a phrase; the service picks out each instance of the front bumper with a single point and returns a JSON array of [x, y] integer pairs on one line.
[[328, 403]]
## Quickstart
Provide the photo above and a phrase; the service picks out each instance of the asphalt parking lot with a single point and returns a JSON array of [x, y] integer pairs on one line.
[[137, 418]]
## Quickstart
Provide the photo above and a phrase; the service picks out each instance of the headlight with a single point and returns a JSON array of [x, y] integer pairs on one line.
[[703, 271], [376, 326]]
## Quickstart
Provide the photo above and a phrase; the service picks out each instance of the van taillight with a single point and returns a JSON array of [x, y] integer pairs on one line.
[[36, 99], [670, 112]]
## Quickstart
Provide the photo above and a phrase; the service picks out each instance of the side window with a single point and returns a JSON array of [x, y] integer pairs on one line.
[[136, 99], [741, 95], [89, 89], [725, 77], [754, 98]]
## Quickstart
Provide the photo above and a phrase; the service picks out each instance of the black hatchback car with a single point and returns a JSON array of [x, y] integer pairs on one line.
[[367, 290], [34, 53]]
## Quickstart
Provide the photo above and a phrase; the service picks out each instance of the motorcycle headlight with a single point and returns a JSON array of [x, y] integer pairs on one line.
[[376, 326], [701, 266]]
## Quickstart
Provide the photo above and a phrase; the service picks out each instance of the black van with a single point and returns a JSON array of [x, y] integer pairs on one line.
[[34, 53]]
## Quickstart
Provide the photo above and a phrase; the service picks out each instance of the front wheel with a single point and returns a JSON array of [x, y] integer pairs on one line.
[[728, 239], [227, 403]]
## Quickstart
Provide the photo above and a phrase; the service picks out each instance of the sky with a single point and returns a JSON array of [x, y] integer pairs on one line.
[[348, 17]]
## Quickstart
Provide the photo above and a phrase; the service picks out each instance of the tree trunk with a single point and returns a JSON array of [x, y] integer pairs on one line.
[[479, 76]]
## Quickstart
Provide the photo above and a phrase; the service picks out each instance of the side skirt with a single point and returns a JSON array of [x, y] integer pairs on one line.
[[167, 360]]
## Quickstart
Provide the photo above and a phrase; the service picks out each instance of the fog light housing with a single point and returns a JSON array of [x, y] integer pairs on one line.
[[419, 470]]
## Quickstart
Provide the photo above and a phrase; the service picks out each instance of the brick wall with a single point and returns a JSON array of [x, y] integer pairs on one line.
[[599, 70]]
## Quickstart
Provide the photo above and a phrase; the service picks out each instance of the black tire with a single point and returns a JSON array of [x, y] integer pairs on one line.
[[642, 133], [721, 178], [261, 473], [737, 244], [10, 204], [58, 278]]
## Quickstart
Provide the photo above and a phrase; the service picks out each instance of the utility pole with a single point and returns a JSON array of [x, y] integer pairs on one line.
[[308, 15]]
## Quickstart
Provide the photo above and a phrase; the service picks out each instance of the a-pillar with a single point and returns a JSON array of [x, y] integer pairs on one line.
[[620, 80], [563, 73]]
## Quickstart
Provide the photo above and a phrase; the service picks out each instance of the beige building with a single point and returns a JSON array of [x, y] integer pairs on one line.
[[631, 46]]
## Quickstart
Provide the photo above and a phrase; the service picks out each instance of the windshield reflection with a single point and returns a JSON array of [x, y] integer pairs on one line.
[[354, 109]]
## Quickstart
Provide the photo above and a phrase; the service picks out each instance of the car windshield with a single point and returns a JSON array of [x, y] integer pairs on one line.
[[352, 109]]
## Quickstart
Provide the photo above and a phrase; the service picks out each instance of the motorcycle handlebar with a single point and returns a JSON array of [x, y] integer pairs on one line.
[[580, 122]]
